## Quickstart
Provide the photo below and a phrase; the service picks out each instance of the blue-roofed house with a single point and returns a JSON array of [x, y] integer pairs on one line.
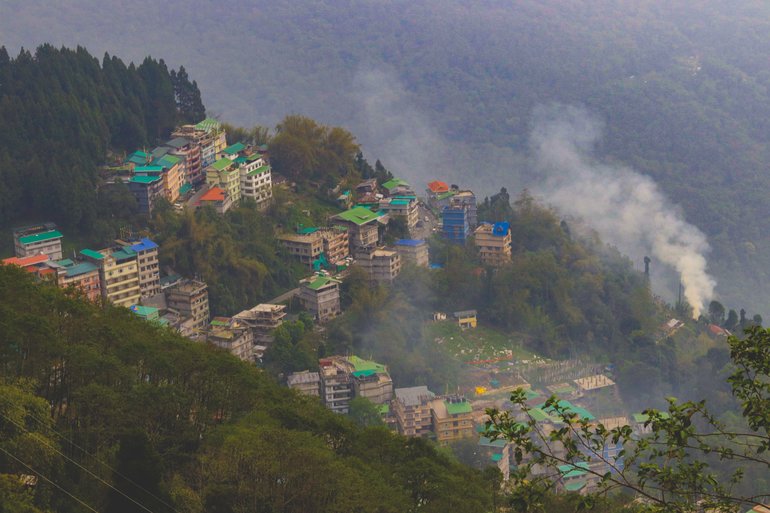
[[494, 243], [147, 263], [413, 251]]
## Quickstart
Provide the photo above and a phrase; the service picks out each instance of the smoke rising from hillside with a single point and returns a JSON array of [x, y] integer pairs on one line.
[[625, 207]]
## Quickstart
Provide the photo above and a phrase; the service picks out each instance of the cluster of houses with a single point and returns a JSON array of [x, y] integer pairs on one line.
[[197, 158], [413, 411]]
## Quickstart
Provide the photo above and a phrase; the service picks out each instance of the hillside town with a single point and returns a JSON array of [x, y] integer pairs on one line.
[[198, 169]]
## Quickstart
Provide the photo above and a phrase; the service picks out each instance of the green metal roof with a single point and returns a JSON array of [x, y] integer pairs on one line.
[[458, 408], [91, 253], [362, 365], [185, 188], [222, 164], [144, 179], [363, 373], [358, 215], [65, 262], [573, 470], [306, 230], [234, 148], [319, 282], [208, 124], [259, 170], [486, 442], [124, 254], [167, 161], [570, 408], [445, 195], [392, 184], [148, 169], [40, 237], [81, 268], [496, 457]]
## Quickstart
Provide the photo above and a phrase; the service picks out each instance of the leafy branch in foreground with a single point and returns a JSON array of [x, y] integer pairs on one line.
[[671, 464]]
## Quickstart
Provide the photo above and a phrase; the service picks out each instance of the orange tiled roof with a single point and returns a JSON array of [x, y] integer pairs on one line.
[[214, 194], [438, 186], [26, 261]]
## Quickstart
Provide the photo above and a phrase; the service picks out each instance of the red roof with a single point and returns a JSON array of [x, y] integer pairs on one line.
[[26, 261], [716, 330], [438, 187], [214, 194]]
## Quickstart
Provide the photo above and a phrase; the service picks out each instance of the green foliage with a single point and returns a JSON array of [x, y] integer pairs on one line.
[[364, 412], [62, 111], [191, 424]]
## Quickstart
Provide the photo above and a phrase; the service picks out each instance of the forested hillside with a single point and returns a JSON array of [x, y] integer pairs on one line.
[[114, 410], [681, 86], [62, 111]]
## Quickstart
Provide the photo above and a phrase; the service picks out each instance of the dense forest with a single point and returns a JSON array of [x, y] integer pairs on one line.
[[682, 87], [62, 111]]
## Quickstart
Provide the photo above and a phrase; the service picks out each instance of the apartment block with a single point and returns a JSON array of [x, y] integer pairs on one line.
[[190, 298], [149, 266], [363, 226], [320, 295], [405, 207], [190, 152], [381, 265], [468, 200], [413, 251], [452, 419], [305, 382], [119, 274], [146, 189], [336, 390], [494, 243], [256, 180], [224, 174], [308, 245], [43, 239], [411, 407], [263, 319], [232, 335], [83, 276], [455, 223]]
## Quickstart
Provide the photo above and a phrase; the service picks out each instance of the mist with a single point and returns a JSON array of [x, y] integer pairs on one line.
[[626, 208]]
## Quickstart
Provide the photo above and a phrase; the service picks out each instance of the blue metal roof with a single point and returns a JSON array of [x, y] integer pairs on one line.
[[501, 229], [144, 245], [410, 242]]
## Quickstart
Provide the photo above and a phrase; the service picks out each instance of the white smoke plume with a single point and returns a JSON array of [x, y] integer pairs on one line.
[[625, 207]]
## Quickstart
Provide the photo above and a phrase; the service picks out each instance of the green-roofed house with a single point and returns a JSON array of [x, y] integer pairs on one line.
[[138, 158], [452, 418], [225, 174], [363, 227], [320, 295], [397, 186], [43, 239], [233, 150], [402, 206], [370, 380], [147, 189], [576, 478]]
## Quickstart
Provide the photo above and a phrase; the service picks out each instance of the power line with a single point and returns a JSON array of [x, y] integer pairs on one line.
[[102, 462], [83, 503], [78, 464]]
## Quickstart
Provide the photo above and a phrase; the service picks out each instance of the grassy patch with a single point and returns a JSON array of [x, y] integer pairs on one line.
[[475, 344]]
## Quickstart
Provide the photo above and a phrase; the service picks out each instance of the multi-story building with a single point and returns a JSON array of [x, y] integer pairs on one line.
[[83, 276], [494, 243], [336, 390], [435, 188], [190, 298], [209, 137], [455, 224], [370, 380], [263, 319], [256, 180], [404, 207], [119, 274], [173, 175], [190, 153], [452, 418], [149, 268], [362, 225], [233, 336], [306, 382], [224, 173], [381, 265], [43, 239], [146, 189], [397, 187], [411, 407], [320, 295], [413, 251], [468, 199], [310, 243], [217, 198]]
